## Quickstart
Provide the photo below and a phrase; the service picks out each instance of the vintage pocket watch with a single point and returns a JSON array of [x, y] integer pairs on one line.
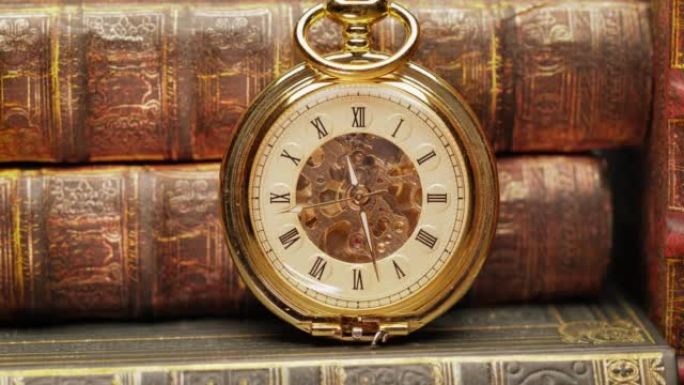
[[359, 194]]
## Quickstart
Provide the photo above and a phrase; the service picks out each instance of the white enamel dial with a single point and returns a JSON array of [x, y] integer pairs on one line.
[[358, 195]]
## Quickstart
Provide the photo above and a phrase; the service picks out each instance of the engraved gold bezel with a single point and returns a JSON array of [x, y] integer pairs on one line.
[[445, 288]]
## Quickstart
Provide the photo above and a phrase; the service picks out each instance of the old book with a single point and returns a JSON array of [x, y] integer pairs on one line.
[[133, 81], [602, 343], [140, 242], [663, 188]]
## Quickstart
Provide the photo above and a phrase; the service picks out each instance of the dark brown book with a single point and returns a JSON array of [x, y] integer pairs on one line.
[[664, 187], [141, 242], [169, 80], [595, 343]]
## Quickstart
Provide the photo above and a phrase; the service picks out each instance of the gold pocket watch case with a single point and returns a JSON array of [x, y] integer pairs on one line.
[[359, 194]]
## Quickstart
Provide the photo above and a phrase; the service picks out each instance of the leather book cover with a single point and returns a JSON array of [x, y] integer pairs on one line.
[[663, 188], [124, 81], [147, 242], [606, 342]]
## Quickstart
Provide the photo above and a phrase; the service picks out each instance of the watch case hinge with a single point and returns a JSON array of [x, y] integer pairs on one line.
[[359, 329]]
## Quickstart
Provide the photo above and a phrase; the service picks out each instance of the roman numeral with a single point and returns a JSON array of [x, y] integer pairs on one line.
[[294, 159], [437, 198], [318, 268], [359, 117], [358, 280], [289, 238], [426, 157], [320, 127], [426, 238], [280, 198], [398, 270], [394, 134]]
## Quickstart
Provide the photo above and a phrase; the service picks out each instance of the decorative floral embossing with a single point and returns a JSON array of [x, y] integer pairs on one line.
[[623, 372], [546, 373], [655, 371], [233, 33], [386, 375], [191, 195], [544, 30], [83, 196], [17, 36], [123, 28], [600, 332]]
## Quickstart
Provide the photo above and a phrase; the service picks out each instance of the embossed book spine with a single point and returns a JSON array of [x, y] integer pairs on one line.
[[664, 187], [169, 81], [140, 242]]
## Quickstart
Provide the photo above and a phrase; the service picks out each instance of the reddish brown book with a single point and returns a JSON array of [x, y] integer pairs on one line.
[[664, 188], [139, 242], [169, 80]]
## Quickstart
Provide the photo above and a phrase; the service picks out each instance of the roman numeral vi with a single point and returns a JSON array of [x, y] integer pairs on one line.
[[358, 280]]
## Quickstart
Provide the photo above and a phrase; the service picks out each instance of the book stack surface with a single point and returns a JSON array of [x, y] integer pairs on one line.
[[604, 343]]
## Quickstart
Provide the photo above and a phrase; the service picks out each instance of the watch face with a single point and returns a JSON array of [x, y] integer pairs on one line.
[[359, 195]]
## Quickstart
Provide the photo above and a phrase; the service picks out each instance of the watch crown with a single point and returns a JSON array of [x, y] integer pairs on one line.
[[350, 12], [357, 16]]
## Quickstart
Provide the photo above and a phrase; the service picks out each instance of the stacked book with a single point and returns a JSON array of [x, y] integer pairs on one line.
[[114, 116]]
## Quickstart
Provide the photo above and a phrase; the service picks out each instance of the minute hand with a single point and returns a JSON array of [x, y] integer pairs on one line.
[[366, 230]]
